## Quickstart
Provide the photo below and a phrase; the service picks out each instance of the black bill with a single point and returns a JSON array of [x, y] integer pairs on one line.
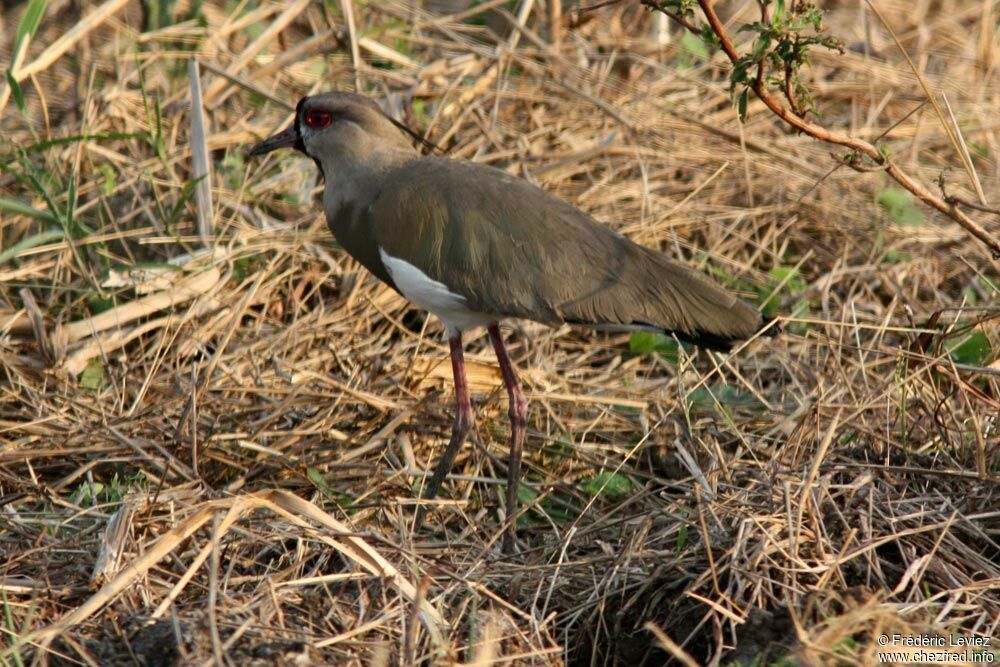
[[287, 138]]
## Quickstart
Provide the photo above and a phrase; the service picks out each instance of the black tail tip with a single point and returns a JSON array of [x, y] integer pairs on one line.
[[708, 341], [771, 327]]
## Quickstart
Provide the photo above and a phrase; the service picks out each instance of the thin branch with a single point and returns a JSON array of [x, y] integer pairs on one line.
[[955, 200], [580, 11], [675, 17]]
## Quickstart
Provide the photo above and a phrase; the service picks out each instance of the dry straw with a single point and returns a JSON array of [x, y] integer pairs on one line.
[[211, 440]]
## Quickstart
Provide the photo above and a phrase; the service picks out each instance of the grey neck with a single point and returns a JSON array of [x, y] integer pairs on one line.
[[349, 176]]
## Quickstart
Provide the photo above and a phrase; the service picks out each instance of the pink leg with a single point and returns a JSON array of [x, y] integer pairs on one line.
[[518, 412], [460, 428]]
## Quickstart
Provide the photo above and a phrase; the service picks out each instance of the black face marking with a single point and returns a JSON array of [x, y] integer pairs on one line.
[[299, 144]]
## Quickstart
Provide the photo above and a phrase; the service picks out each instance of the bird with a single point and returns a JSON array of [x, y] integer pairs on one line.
[[475, 245]]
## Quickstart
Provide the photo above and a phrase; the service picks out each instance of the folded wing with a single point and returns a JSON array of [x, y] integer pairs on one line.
[[512, 249]]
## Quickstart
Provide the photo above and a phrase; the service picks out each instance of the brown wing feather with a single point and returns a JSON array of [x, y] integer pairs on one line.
[[513, 249]]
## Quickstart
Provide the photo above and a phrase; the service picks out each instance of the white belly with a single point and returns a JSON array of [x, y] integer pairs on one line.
[[429, 294]]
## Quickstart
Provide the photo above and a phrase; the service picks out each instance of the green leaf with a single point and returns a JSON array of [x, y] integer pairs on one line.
[[611, 484], [760, 47], [30, 21], [641, 342], [789, 275], [647, 342], [741, 105], [779, 13], [791, 283], [892, 198], [186, 194], [97, 303], [32, 241], [708, 36], [695, 47], [420, 111], [93, 376], [16, 92], [900, 207], [973, 349], [246, 265], [108, 179], [26, 29], [316, 477], [894, 256], [82, 493], [556, 512], [319, 481], [525, 496], [703, 400]]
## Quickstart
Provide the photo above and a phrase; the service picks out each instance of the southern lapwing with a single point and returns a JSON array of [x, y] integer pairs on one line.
[[475, 245]]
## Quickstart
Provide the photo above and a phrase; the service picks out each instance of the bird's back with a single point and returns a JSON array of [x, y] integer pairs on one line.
[[514, 250]]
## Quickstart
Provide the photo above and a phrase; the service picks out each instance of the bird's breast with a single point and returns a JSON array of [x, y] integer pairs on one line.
[[349, 220]]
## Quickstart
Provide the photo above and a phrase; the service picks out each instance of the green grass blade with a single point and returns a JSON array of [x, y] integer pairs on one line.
[[20, 208], [31, 242], [72, 139], [15, 91], [30, 21]]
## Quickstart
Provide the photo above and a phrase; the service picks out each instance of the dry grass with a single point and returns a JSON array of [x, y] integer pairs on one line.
[[211, 456]]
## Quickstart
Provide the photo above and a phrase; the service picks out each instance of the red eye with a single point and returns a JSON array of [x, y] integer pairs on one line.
[[317, 119]]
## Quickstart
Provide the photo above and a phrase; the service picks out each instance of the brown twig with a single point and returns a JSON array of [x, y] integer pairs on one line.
[[675, 17], [576, 16], [955, 200]]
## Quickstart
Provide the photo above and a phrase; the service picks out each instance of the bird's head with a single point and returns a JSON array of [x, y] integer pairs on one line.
[[339, 130]]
